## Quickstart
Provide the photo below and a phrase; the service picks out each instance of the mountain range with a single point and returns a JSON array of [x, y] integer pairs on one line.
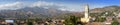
[[41, 12]]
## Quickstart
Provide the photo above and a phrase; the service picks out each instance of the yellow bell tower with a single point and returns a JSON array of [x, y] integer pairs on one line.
[[86, 14]]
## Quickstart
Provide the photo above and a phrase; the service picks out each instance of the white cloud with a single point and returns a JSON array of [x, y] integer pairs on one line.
[[46, 5], [15, 5], [63, 7], [18, 5], [38, 4]]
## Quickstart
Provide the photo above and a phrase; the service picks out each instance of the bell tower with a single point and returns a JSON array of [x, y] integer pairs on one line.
[[86, 11], [86, 14]]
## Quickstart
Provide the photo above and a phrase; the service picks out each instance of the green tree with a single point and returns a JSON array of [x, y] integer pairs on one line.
[[100, 19], [71, 20], [115, 22]]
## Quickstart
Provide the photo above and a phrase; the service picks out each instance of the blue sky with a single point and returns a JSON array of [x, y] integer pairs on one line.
[[74, 5]]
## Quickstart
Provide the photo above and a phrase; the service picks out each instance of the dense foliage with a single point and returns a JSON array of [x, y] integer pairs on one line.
[[115, 22], [72, 20]]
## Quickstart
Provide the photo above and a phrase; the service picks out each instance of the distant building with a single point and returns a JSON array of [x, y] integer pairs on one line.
[[94, 23], [9, 21], [108, 20]]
